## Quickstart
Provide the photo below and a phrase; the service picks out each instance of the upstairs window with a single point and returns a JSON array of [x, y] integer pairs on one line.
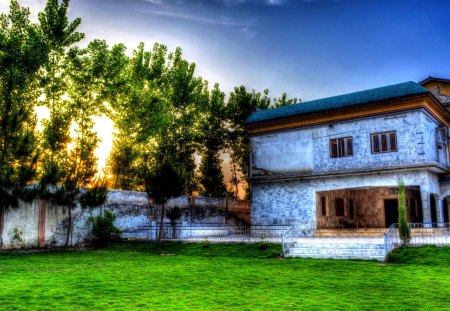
[[341, 147], [383, 142]]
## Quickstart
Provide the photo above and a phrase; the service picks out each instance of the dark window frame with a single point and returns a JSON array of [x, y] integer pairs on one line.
[[351, 209], [382, 142], [339, 208], [343, 147], [323, 202]]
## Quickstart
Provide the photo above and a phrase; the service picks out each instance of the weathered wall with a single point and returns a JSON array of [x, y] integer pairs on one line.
[[294, 201], [416, 140], [295, 148], [45, 224]]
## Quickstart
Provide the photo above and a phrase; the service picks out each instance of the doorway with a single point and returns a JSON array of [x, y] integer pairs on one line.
[[433, 209], [391, 212], [445, 211]]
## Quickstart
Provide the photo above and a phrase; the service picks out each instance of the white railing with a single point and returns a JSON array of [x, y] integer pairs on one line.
[[290, 237], [421, 234]]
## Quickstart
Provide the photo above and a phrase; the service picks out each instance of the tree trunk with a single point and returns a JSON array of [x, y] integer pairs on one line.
[[69, 227], [161, 225], [174, 230], [2, 222]]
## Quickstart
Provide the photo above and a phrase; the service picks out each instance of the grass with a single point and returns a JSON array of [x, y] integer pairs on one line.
[[177, 276]]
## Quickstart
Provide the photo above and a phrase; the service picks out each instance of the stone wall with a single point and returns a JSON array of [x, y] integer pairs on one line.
[[44, 224], [287, 202]]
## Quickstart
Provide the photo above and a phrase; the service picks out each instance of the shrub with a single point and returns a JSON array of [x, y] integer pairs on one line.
[[103, 228], [404, 229], [174, 214]]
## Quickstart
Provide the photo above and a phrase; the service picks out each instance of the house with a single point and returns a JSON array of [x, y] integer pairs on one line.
[[334, 162]]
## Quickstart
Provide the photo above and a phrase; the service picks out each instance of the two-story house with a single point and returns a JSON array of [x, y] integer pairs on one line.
[[334, 162]]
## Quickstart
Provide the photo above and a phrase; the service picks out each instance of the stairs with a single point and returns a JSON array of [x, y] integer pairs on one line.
[[339, 248], [363, 232]]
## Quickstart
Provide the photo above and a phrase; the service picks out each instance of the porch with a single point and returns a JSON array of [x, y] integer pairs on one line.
[[367, 211]]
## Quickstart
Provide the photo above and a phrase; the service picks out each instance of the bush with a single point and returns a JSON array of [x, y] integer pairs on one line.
[[103, 228], [404, 229]]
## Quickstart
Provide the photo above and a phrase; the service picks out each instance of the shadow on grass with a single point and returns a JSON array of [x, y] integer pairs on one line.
[[201, 249]]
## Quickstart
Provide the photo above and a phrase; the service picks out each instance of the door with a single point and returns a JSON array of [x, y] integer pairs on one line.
[[445, 211], [391, 212], [433, 209]]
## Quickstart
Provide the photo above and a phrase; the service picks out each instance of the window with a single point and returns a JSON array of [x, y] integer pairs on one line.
[[341, 147], [339, 207], [323, 201], [383, 142], [351, 209]]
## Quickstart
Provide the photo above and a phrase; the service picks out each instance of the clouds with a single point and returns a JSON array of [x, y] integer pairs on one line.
[[224, 21], [275, 2], [35, 6]]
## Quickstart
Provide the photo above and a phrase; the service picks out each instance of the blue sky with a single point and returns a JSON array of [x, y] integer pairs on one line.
[[309, 49]]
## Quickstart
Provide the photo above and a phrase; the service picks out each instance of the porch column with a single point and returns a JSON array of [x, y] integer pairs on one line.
[[426, 209], [448, 208], [439, 211]]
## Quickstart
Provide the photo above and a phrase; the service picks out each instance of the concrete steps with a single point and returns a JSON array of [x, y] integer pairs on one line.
[[343, 248], [363, 232]]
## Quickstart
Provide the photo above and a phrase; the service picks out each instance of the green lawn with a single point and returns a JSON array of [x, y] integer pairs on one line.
[[179, 276]]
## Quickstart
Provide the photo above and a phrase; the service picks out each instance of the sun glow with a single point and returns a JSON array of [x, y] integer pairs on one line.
[[104, 127]]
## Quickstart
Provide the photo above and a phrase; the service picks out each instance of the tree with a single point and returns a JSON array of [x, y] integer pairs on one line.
[[139, 111], [88, 72], [59, 35], [404, 229], [156, 113], [283, 101], [240, 105], [174, 214], [164, 182], [23, 51], [213, 133]]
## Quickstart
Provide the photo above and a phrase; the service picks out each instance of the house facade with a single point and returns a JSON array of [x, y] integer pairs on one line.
[[335, 162]]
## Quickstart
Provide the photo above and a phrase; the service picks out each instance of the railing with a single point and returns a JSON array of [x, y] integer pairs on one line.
[[391, 238], [291, 235], [213, 232], [421, 234], [288, 239]]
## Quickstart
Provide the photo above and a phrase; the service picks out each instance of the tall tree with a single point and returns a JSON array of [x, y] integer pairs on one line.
[[23, 51], [156, 114], [60, 34], [212, 133], [88, 71], [162, 183], [241, 104]]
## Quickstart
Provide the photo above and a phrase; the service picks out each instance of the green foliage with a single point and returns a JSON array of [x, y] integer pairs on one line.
[[165, 181], [174, 214], [404, 229], [17, 235], [103, 228], [213, 141], [95, 196], [22, 52]]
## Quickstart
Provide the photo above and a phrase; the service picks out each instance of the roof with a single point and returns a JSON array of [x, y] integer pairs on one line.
[[430, 78], [366, 97]]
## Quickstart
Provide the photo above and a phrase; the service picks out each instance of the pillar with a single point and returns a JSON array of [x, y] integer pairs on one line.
[[439, 211], [448, 208], [426, 208]]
